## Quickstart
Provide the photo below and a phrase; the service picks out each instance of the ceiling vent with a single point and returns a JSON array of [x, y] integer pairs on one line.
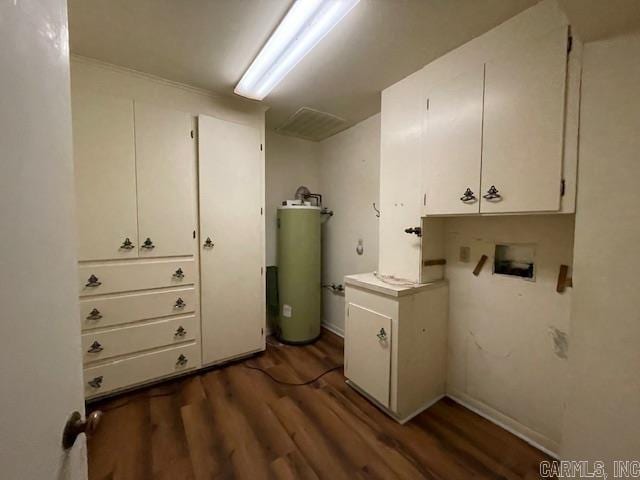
[[312, 124]]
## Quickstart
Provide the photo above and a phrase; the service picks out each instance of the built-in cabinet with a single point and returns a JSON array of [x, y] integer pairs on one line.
[[494, 134], [139, 261], [231, 239], [395, 343]]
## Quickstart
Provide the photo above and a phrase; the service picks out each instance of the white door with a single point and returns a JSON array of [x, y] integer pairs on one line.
[[105, 173], [165, 159], [231, 176], [367, 351], [40, 356], [523, 133], [453, 145]]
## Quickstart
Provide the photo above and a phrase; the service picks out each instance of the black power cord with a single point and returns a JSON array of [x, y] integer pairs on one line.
[[292, 384]]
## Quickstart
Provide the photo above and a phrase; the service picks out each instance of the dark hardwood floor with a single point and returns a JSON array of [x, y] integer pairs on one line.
[[234, 422]]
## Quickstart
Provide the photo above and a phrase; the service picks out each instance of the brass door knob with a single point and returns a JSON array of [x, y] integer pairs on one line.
[[75, 426]]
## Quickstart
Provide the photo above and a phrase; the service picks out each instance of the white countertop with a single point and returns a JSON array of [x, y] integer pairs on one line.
[[391, 287]]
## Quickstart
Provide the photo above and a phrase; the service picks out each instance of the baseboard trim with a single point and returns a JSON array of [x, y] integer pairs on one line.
[[484, 413], [333, 329]]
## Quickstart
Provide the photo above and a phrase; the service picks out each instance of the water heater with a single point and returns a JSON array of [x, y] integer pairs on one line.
[[299, 277]]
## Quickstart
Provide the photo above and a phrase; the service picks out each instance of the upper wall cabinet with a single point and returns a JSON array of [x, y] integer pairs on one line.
[[524, 111], [165, 158], [105, 173], [453, 145], [135, 179]]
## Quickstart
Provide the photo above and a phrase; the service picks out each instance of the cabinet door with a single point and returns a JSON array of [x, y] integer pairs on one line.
[[105, 176], [453, 146], [231, 176], [165, 158], [524, 127], [368, 351]]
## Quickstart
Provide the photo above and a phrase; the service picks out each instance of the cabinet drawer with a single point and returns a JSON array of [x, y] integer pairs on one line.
[[127, 372], [134, 338], [99, 278], [112, 310]]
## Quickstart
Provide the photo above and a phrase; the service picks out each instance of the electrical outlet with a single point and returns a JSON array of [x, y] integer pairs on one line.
[[465, 254]]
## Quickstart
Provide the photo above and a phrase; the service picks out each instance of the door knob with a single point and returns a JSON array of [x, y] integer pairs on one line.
[[75, 426], [148, 244], [208, 243]]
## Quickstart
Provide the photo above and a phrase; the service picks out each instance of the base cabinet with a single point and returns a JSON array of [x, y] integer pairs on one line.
[[395, 343]]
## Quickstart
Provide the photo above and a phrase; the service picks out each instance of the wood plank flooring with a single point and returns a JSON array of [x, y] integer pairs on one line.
[[235, 422]]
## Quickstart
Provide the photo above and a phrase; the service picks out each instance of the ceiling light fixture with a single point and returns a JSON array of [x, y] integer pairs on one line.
[[304, 25]]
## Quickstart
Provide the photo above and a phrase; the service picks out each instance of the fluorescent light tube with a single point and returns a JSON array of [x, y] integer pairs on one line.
[[304, 25]]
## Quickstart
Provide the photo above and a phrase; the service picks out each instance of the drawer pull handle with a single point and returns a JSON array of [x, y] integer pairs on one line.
[[468, 196], [382, 335], [96, 382], [94, 314], [182, 361], [96, 347], [93, 282], [492, 194], [127, 245], [180, 332], [180, 303], [208, 243], [179, 274], [148, 244]]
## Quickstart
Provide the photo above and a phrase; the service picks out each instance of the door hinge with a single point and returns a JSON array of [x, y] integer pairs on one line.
[[261, 270], [427, 104], [261, 211], [194, 234], [569, 41], [192, 134], [424, 200], [262, 332], [347, 311], [563, 186], [260, 147]]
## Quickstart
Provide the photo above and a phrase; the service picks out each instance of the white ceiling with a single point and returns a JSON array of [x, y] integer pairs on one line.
[[210, 43]]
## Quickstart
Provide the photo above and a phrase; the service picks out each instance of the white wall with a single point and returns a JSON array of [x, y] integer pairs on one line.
[[603, 410], [40, 350], [349, 182], [502, 359], [290, 162]]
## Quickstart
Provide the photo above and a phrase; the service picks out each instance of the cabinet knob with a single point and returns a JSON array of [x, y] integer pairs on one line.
[[180, 332], [93, 282], [179, 274], [96, 347], [182, 361], [382, 335], [148, 244], [468, 196], [127, 245], [415, 230], [492, 194], [180, 303], [94, 314], [96, 382], [208, 243]]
